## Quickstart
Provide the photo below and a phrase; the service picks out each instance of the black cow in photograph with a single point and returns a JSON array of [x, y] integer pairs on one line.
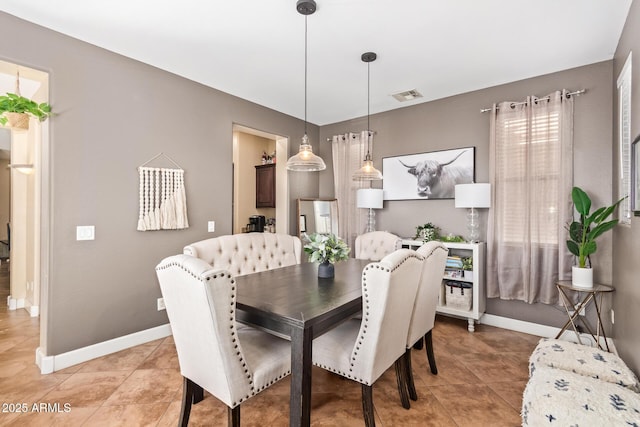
[[438, 180]]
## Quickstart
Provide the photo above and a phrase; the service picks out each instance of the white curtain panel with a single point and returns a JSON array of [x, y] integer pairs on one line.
[[163, 203], [531, 174], [348, 152]]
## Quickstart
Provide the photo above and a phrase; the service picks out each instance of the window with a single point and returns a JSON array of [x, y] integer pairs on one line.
[[528, 149], [624, 135], [531, 154]]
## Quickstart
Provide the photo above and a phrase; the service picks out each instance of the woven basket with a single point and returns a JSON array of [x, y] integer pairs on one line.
[[458, 295], [17, 120]]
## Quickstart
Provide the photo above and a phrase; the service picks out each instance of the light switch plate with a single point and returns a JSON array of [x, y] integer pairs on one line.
[[85, 232], [211, 226]]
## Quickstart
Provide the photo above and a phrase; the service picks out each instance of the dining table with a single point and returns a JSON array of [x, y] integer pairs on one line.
[[294, 303]]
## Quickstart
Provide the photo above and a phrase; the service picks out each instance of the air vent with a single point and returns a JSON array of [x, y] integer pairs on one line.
[[407, 96]]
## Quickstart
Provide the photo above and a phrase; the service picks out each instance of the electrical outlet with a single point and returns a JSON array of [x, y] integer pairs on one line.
[[161, 305], [85, 232], [573, 310], [613, 317], [211, 226]]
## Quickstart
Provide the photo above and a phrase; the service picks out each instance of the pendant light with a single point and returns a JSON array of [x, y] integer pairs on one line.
[[367, 172], [305, 160]]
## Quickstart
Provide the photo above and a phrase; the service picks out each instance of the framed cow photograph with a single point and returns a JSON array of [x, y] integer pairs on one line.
[[427, 176]]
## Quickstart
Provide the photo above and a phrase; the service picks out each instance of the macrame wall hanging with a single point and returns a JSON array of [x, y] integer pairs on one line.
[[163, 203]]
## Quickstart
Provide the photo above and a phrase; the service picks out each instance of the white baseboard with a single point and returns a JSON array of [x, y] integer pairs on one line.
[[34, 311], [520, 326], [542, 330], [15, 303], [45, 363], [49, 364]]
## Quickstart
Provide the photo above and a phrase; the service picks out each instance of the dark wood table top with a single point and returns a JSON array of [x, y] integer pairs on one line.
[[294, 296]]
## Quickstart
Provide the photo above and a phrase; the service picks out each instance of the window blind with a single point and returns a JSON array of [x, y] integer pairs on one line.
[[624, 132], [528, 148]]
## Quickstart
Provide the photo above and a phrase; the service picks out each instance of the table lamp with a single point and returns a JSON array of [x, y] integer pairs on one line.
[[473, 196], [370, 198]]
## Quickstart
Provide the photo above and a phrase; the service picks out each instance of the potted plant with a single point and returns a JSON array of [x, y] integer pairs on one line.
[[427, 232], [583, 234], [15, 111], [467, 266], [451, 238], [326, 249]]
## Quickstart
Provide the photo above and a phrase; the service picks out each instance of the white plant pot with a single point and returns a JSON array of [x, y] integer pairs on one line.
[[582, 277], [468, 274]]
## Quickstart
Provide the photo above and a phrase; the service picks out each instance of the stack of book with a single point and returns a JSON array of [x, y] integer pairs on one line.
[[453, 267]]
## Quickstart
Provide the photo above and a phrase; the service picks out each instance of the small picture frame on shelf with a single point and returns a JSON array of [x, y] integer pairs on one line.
[[454, 274], [635, 176]]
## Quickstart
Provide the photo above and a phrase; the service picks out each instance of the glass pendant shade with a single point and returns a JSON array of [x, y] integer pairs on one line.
[[305, 160], [367, 172]]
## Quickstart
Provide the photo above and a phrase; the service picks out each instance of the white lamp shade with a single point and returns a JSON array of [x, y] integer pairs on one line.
[[473, 196], [369, 198]]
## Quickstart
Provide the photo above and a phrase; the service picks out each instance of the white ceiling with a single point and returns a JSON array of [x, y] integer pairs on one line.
[[254, 49]]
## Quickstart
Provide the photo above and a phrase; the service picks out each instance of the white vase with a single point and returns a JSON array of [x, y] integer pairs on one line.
[[582, 277]]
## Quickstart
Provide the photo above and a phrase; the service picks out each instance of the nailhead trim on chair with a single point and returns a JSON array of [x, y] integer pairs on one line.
[[234, 340], [258, 254], [365, 317]]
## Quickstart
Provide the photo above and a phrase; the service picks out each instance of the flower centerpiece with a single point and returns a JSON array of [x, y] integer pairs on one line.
[[326, 249]]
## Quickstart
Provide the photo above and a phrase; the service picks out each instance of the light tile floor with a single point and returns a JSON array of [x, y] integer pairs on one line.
[[481, 377]]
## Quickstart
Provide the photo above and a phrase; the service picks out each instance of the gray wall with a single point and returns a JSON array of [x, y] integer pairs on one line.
[[457, 122], [113, 114], [626, 247]]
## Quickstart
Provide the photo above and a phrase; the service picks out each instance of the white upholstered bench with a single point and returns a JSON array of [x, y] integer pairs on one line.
[[583, 360], [576, 385]]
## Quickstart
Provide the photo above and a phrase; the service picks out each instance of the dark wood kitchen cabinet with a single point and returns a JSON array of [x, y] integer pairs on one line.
[[266, 186]]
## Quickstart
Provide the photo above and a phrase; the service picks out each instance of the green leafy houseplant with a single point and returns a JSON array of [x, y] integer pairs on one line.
[[427, 232], [326, 248], [12, 103], [450, 238], [583, 232], [467, 263]]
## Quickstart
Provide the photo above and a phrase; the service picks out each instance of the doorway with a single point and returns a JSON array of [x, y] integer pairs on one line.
[[249, 146], [21, 210]]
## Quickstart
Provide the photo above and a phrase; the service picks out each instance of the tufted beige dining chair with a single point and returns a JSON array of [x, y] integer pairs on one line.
[[424, 312], [375, 245], [362, 350], [232, 364], [247, 253]]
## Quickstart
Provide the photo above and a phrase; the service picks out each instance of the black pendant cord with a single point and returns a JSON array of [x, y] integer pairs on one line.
[[368, 108], [368, 96], [368, 57], [305, 74]]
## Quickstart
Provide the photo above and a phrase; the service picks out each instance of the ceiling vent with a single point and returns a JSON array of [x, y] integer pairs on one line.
[[407, 96]]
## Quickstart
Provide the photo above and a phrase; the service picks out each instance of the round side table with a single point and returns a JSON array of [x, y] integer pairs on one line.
[[589, 295]]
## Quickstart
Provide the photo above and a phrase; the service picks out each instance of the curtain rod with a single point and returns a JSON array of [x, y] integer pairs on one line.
[[329, 139], [577, 92]]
